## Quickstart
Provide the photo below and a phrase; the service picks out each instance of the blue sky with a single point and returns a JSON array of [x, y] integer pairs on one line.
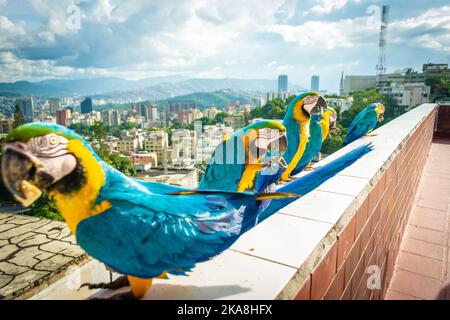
[[216, 38]]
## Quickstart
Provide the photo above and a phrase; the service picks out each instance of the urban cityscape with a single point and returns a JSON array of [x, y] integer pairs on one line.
[[143, 129], [127, 103]]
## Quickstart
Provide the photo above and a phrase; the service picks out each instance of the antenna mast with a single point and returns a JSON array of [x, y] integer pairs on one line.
[[381, 67]]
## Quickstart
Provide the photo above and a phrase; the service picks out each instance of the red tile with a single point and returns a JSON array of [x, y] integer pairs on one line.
[[423, 248], [429, 218], [346, 238], [361, 217], [323, 273], [357, 276], [438, 205], [346, 294], [351, 261], [424, 234], [416, 285], [365, 236], [305, 290], [374, 196], [336, 289], [418, 264]]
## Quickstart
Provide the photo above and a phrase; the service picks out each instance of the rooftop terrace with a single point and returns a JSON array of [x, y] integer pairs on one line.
[[328, 244]]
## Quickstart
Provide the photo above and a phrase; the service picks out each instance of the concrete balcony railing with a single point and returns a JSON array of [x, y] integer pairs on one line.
[[324, 245]]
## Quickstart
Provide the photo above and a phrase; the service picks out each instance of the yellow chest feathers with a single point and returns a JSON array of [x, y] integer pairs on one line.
[[80, 204]]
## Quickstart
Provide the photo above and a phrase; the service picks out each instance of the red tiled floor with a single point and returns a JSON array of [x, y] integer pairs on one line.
[[424, 234], [415, 285], [422, 268], [418, 264]]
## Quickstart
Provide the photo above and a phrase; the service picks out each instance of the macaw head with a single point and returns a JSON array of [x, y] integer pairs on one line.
[[40, 156], [331, 115], [380, 111], [304, 105], [264, 137]]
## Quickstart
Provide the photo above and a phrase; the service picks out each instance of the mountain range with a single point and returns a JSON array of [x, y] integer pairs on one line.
[[155, 88]]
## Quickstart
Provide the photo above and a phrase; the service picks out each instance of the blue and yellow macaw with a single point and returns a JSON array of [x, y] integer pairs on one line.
[[297, 121], [236, 162], [140, 229], [319, 129], [364, 122]]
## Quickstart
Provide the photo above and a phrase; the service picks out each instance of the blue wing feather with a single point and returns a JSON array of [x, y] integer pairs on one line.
[[223, 172], [142, 235], [365, 121]]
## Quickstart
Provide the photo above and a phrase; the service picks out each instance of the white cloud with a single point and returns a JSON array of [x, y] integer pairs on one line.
[[328, 6], [428, 30], [345, 33]]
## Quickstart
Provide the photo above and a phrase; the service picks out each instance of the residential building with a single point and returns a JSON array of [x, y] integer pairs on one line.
[[184, 147], [157, 142], [143, 161], [408, 95], [6, 125], [354, 83], [53, 105], [62, 116]]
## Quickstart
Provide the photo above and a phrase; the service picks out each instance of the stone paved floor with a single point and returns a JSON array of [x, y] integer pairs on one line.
[[422, 269], [34, 252]]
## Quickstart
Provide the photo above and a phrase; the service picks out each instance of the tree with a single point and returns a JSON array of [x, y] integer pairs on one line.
[[18, 117], [219, 118]]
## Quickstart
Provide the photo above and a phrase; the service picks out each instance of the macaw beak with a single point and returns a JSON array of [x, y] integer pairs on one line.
[[22, 175], [314, 105], [381, 117]]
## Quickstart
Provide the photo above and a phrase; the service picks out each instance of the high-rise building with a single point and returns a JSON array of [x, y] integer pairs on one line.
[[54, 104], [115, 118], [26, 106], [62, 116], [315, 83], [86, 105], [154, 112], [107, 117], [341, 85], [282, 83], [270, 96]]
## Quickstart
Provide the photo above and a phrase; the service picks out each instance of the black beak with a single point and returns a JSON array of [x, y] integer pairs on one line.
[[16, 167], [22, 177]]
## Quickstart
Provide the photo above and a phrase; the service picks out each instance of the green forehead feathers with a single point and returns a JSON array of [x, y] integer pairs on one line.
[[36, 129]]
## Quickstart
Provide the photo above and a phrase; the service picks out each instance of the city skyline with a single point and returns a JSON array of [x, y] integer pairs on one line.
[[135, 39]]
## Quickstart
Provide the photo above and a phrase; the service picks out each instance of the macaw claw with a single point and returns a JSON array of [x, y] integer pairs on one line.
[[120, 296], [120, 282]]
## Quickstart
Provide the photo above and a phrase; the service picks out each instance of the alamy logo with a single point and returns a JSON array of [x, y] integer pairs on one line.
[[374, 278]]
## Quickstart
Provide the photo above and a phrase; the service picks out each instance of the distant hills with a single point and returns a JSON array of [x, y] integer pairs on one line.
[[155, 88]]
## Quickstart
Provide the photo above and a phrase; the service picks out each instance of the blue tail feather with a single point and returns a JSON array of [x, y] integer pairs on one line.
[[312, 180]]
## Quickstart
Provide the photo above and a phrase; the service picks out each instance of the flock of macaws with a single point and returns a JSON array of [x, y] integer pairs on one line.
[[144, 229]]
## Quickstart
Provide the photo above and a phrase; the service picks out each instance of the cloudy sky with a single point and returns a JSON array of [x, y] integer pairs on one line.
[[216, 38]]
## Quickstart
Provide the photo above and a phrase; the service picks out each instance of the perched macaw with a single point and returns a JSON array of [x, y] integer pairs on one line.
[[296, 120], [140, 229], [319, 129], [364, 122], [237, 161]]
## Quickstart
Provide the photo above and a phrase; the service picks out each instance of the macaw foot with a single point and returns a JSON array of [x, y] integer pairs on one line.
[[371, 135], [119, 296], [311, 168], [120, 282], [287, 180]]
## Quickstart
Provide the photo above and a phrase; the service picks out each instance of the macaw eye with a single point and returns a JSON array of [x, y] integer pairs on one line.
[[53, 140]]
